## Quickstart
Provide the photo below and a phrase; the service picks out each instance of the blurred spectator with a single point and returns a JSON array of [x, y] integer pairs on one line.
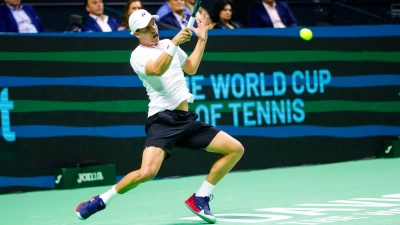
[[133, 5], [165, 9], [222, 13], [269, 13], [18, 18], [190, 5], [130, 7], [177, 17], [97, 21]]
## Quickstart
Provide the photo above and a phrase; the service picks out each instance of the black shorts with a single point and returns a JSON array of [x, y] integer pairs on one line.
[[178, 128]]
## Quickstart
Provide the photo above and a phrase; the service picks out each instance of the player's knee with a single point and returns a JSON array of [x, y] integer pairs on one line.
[[238, 149], [241, 150], [146, 175]]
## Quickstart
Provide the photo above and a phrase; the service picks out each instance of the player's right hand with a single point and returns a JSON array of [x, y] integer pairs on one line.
[[183, 36]]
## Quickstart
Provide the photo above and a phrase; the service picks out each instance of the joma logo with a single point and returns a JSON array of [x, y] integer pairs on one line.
[[86, 177]]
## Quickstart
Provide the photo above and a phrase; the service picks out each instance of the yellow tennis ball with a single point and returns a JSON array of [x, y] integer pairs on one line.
[[306, 34]]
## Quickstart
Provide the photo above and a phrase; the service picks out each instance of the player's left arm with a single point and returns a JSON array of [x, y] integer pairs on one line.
[[193, 61]]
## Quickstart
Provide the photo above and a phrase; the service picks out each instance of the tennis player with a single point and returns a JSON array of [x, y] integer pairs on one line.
[[160, 65]]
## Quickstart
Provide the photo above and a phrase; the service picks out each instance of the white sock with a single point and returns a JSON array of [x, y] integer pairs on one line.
[[108, 194], [205, 189]]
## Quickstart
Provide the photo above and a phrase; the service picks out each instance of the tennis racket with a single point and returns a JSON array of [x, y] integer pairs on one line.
[[193, 16]]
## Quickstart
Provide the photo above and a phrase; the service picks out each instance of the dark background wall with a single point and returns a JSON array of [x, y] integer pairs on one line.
[[55, 13]]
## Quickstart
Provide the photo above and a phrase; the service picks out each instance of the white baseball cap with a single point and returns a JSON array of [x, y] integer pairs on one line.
[[140, 19]]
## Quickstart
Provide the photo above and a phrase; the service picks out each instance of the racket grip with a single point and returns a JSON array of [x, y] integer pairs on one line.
[[191, 22]]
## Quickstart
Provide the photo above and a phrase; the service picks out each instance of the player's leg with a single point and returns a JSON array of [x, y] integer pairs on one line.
[[231, 150], [151, 163]]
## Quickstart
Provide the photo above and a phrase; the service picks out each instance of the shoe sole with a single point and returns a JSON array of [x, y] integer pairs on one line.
[[79, 216], [203, 217]]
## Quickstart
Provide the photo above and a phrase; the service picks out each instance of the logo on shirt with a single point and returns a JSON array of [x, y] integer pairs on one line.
[[143, 14]]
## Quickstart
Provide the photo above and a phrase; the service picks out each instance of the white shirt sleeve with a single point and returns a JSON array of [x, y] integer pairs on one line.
[[138, 63]]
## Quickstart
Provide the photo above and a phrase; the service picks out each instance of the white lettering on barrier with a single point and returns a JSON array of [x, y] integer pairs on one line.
[[58, 179], [87, 177]]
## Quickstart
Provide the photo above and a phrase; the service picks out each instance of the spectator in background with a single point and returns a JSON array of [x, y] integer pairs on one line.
[[18, 18], [269, 13], [177, 17], [165, 9], [97, 21], [133, 5], [222, 13], [130, 7], [190, 6]]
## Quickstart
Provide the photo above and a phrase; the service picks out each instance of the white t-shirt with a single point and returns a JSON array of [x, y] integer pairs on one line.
[[168, 90]]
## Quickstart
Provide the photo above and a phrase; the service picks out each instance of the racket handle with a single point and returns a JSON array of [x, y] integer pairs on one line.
[[191, 22]]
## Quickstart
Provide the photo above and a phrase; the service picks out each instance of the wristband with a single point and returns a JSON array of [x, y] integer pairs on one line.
[[171, 49]]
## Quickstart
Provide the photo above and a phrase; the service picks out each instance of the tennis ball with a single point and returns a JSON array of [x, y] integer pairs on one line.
[[306, 34]]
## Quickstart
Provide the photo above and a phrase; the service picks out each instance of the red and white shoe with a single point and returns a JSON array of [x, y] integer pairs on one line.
[[200, 207], [86, 209]]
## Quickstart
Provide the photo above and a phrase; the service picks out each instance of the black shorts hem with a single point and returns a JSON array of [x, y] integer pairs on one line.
[[166, 150], [178, 128]]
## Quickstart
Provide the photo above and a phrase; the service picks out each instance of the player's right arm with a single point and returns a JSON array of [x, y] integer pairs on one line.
[[159, 66]]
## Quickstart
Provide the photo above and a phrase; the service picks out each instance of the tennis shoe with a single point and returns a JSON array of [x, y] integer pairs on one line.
[[200, 207], [85, 209]]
